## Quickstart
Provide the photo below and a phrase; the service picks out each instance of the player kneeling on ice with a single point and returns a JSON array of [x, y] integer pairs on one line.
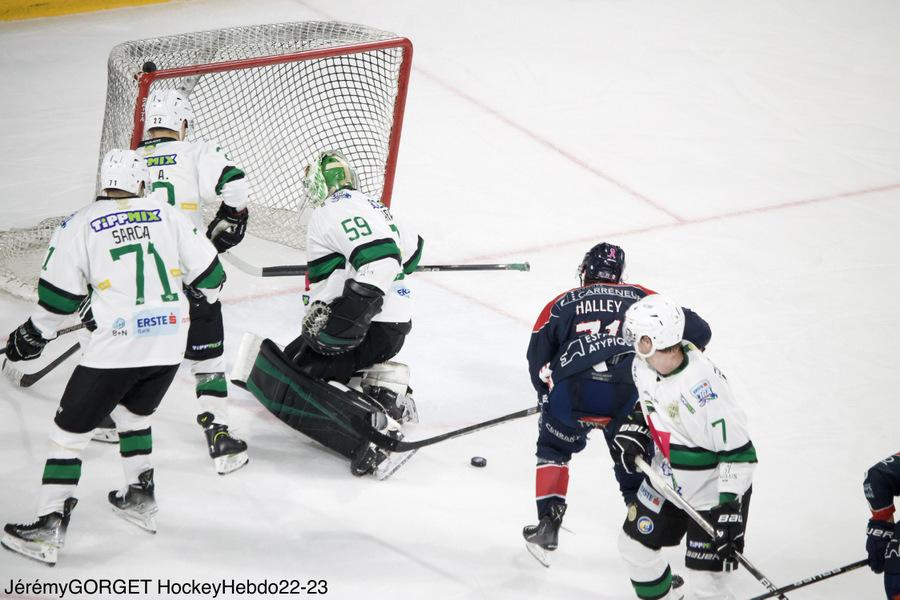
[[193, 173], [881, 486], [133, 254], [357, 319], [703, 450]]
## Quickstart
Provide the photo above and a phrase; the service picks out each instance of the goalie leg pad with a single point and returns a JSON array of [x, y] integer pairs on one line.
[[333, 417]]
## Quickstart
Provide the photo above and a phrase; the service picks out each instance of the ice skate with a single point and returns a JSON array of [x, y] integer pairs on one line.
[[228, 453], [137, 503], [543, 538], [42, 539], [106, 431]]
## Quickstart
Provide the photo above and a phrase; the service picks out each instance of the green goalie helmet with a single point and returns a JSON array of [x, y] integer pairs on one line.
[[330, 172]]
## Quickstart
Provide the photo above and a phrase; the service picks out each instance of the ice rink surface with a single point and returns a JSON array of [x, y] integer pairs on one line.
[[745, 155]]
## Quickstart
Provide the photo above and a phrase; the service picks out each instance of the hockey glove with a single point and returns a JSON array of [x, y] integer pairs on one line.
[[728, 520], [631, 440], [228, 227], [892, 569], [349, 319], [86, 314], [878, 536], [25, 343]]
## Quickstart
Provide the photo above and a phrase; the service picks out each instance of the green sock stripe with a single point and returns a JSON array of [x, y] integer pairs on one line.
[[65, 472], [213, 387], [133, 443], [652, 590]]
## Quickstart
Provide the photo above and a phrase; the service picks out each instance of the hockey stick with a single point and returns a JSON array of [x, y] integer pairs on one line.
[[28, 379], [388, 443], [660, 484], [301, 270], [814, 579], [62, 331]]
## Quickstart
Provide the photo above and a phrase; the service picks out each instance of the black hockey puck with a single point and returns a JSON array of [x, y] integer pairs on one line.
[[149, 66], [479, 461]]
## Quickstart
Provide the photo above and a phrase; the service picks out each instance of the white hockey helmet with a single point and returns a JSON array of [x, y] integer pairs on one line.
[[124, 170], [659, 318], [330, 172], [168, 109]]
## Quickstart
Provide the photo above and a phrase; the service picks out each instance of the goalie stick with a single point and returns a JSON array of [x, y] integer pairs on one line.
[[301, 270], [388, 443], [814, 579], [662, 486]]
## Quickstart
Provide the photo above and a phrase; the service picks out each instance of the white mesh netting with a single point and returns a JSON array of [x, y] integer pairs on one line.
[[272, 119]]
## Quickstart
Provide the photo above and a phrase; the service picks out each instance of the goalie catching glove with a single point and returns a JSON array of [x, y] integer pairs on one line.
[[25, 343], [228, 227], [632, 440], [342, 325]]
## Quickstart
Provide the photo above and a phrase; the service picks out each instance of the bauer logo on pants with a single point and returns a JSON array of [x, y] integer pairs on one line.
[[645, 525], [156, 322]]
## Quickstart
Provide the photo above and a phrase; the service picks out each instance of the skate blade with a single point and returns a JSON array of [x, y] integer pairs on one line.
[[41, 552], [147, 522], [230, 462], [541, 555], [107, 436], [390, 465]]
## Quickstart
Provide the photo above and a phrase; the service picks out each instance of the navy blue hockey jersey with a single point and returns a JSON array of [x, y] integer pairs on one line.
[[882, 485], [582, 328]]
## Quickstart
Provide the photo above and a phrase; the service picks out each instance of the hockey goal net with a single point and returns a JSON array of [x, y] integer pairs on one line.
[[273, 96]]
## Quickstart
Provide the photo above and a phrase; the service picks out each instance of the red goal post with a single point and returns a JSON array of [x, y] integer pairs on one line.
[[272, 96]]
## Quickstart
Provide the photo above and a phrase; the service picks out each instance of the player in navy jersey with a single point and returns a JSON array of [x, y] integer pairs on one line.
[[881, 486], [581, 369]]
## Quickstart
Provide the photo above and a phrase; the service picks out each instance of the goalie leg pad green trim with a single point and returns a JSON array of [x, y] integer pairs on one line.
[[331, 416]]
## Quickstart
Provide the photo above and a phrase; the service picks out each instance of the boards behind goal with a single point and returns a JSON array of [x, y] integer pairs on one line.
[[272, 96]]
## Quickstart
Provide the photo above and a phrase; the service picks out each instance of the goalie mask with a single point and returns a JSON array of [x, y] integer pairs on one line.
[[602, 263], [659, 318], [124, 170], [169, 109], [330, 172]]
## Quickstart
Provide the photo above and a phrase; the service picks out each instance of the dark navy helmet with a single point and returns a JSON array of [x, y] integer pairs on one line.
[[602, 263]]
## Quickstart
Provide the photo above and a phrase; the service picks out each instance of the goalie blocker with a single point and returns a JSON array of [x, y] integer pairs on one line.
[[334, 415]]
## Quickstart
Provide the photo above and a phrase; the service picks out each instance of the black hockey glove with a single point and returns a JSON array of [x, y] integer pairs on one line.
[[25, 343], [632, 439], [878, 536], [86, 314], [228, 227], [349, 317], [728, 520]]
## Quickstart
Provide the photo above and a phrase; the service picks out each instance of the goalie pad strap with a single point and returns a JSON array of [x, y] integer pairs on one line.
[[331, 416]]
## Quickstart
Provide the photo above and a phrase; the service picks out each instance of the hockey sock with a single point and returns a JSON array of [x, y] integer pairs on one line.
[[650, 574], [211, 401], [551, 485], [62, 470], [135, 442], [707, 585]]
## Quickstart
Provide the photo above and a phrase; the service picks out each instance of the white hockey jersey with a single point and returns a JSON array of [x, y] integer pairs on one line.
[[704, 448], [353, 236], [190, 173], [131, 256]]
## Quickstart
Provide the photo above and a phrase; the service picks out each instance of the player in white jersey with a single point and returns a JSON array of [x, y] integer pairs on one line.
[[194, 173], [132, 254], [358, 312], [702, 448]]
